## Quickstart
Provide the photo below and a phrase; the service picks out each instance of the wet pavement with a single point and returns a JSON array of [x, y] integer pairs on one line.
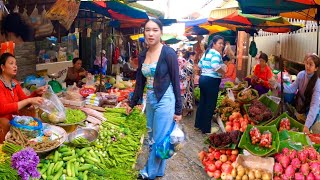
[[184, 165]]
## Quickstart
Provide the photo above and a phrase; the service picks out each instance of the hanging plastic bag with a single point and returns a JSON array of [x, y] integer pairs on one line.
[[35, 18], [25, 16], [54, 108], [177, 137], [164, 149], [16, 9], [46, 27]]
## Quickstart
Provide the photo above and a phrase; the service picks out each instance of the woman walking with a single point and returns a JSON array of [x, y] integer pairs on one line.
[[213, 69], [158, 70]]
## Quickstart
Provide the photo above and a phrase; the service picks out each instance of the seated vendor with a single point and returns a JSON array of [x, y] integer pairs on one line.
[[230, 75], [12, 96], [262, 75], [308, 96], [76, 73]]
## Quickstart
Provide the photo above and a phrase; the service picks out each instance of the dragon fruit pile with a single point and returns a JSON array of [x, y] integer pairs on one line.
[[300, 165]]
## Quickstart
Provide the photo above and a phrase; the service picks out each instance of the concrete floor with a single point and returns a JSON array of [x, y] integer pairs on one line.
[[185, 165]]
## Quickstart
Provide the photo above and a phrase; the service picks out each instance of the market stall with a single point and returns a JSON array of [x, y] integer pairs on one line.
[[79, 135], [257, 142]]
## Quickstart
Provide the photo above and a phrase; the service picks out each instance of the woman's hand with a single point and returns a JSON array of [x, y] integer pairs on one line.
[[128, 110], [177, 118], [41, 90], [36, 101], [306, 130]]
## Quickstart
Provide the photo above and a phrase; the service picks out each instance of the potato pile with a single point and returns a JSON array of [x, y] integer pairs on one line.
[[242, 173]]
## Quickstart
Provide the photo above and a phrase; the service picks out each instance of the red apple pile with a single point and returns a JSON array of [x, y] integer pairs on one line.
[[218, 163], [237, 122]]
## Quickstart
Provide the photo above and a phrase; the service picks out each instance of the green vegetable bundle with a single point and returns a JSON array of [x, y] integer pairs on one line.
[[7, 172], [196, 93], [74, 116]]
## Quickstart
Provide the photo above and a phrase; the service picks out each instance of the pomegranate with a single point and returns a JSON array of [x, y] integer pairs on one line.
[[218, 164], [226, 168], [217, 155], [211, 167], [217, 174], [201, 155], [223, 158]]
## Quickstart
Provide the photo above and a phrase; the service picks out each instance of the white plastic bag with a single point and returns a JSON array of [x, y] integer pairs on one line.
[[177, 135], [53, 107], [35, 18], [230, 94]]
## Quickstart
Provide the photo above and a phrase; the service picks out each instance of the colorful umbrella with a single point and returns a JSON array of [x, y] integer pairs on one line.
[[205, 29], [238, 20], [123, 15], [201, 27], [227, 35], [298, 9]]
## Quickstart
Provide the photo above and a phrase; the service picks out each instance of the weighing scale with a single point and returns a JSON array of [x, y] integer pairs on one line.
[[55, 85]]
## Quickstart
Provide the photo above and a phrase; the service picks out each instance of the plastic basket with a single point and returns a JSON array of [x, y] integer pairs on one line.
[[29, 131]]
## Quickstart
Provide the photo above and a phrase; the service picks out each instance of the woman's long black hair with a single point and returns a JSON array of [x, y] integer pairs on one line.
[[312, 82], [212, 42]]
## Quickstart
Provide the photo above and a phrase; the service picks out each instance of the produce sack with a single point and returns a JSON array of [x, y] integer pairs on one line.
[[65, 11], [29, 126], [53, 107], [164, 149]]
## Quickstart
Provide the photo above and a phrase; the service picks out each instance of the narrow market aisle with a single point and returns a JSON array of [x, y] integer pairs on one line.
[[185, 164]]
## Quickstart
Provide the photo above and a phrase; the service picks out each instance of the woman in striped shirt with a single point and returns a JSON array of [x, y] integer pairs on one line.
[[213, 69]]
